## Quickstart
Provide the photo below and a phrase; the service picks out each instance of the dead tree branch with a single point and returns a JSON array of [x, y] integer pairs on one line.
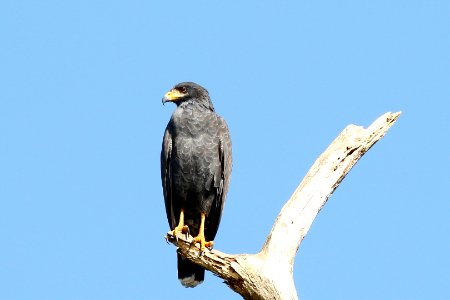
[[268, 274]]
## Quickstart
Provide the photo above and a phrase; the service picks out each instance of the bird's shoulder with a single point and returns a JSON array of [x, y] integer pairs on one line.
[[223, 128]]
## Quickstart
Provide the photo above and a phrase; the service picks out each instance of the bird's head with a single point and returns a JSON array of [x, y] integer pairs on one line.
[[188, 92]]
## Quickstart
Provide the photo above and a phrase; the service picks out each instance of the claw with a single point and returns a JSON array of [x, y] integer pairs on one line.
[[187, 231], [203, 243], [209, 245], [180, 229]]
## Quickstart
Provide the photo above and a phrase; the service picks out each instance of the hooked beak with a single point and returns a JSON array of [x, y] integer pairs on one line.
[[172, 96]]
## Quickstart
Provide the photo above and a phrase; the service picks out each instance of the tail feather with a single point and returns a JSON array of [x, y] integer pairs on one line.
[[189, 274]]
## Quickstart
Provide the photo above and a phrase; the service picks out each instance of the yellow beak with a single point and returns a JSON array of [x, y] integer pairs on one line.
[[172, 95]]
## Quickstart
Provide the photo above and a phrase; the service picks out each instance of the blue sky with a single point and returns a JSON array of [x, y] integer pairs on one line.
[[81, 124]]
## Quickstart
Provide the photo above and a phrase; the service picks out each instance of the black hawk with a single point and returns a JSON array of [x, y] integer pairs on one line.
[[195, 171]]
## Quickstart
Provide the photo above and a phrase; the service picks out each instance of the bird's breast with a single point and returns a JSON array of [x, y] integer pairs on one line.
[[195, 123], [195, 147]]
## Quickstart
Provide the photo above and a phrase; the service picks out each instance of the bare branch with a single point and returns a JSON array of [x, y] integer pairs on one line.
[[322, 179], [268, 274]]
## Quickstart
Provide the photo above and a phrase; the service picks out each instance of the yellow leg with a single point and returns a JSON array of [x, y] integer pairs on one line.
[[200, 238], [180, 227]]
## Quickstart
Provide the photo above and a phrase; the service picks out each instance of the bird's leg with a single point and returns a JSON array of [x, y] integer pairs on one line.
[[200, 238], [180, 227]]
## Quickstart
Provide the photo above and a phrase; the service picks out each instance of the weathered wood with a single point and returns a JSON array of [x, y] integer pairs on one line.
[[268, 274]]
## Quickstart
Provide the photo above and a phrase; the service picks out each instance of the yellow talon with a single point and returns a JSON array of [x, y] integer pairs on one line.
[[180, 227], [200, 238]]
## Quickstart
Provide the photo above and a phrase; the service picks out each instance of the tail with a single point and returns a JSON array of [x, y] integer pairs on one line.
[[189, 274]]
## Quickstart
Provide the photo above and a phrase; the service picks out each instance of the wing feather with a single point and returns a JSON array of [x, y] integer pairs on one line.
[[225, 156], [166, 177]]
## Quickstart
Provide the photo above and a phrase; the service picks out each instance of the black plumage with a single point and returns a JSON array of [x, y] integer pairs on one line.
[[196, 163]]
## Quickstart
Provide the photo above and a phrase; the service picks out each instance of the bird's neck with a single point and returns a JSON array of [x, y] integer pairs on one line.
[[197, 104]]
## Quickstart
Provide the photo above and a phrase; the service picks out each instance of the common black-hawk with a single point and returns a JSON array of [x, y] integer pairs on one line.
[[195, 171]]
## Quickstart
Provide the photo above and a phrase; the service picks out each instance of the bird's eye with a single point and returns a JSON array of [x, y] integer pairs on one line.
[[182, 89]]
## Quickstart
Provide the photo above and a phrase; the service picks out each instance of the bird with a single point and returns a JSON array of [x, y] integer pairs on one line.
[[196, 164]]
